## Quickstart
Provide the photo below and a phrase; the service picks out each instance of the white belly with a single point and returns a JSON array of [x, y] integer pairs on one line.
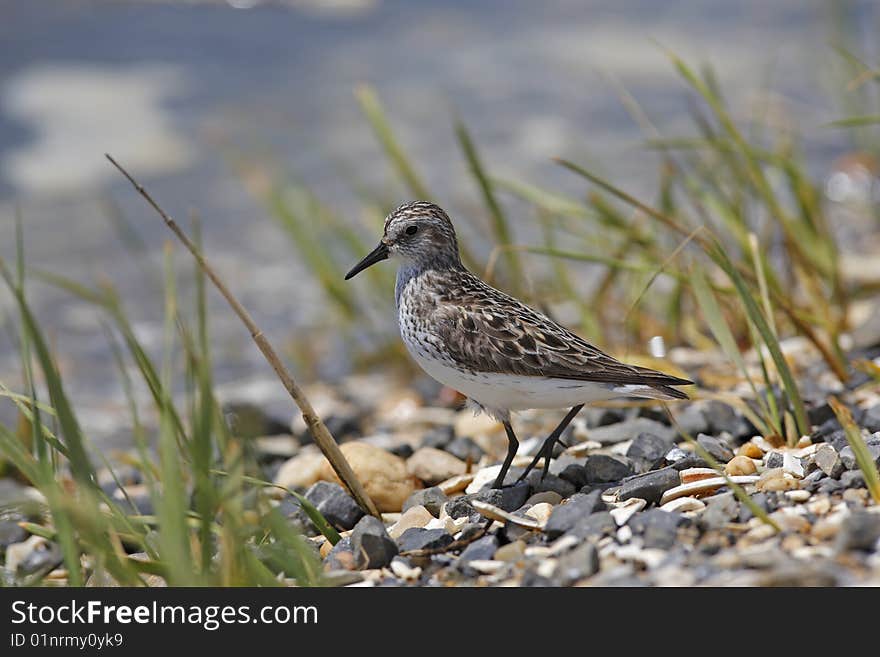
[[499, 392]]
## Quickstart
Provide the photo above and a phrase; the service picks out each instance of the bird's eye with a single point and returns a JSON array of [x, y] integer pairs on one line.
[[412, 230]]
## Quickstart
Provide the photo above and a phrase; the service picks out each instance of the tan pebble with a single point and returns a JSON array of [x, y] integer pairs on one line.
[[798, 495], [751, 450], [805, 441], [791, 521], [760, 533], [684, 505], [704, 487], [696, 474], [400, 568], [792, 542], [775, 480], [455, 485], [763, 444], [482, 478], [326, 546], [383, 475], [859, 495], [415, 516], [432, 465], [626, 510], [826, 528], [819, 506], [584, 448], [301, 471], [399, 407], [486, 566], [540, 512], [511, 551], [475, 426], [740, 465], [777, 484], [494, 513]]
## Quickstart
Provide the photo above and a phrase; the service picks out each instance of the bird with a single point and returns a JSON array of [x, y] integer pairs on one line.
[[502, 355]]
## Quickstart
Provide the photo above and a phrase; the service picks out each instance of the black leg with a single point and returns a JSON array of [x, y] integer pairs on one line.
[[512, 446], [546, 449]]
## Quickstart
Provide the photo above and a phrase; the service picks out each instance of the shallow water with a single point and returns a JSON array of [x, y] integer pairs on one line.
[[162, 87]]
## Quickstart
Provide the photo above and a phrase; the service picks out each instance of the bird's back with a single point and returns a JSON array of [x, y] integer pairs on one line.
[[449, 318]]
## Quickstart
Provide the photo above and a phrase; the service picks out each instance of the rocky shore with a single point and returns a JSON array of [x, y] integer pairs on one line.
[[627, 501]]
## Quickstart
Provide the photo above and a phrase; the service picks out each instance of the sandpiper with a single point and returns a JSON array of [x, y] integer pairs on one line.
[[495, 350]]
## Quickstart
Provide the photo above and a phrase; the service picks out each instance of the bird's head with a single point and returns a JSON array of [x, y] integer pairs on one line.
[[418, 233]]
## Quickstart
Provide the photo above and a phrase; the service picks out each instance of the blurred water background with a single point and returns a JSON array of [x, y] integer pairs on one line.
[[170, 89]]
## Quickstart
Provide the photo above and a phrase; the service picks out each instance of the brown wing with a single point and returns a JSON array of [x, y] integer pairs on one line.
[[504, 335]]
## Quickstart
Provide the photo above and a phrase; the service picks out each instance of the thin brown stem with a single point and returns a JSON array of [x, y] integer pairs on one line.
[[313, 422]]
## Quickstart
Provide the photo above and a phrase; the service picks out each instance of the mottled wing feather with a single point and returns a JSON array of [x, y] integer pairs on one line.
[[504, 335]]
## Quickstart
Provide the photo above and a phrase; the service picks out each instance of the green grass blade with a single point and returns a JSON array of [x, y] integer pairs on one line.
[[859, 448], [372, 109]]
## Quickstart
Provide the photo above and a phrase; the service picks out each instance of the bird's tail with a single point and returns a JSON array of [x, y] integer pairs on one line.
[[651, 392]]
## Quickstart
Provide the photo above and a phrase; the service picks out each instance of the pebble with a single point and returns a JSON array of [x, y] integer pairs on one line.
[[415, 516], [402, 569], [457, 484], [547, 496], [651, 486], [511, 552], [466, 449], [704, 486], [646, 451], [740, 465], [341, 556], [717, 449], [689, 475], [775, 480], [540, 512], [659, 528], [495, 513], [438, 437], [483, 549], [575, 565], [792, 465], [601, 468], [859, 531], [849, 458], [33, 555], [798, 495], [11, 532], [507, 499], [566, 516], [751, 450], [575, 474], [417, 538], [371, 545], [383, 475], [433, 466], [720, 510], [851, 479], [484, 477], [476, 426], [625, 510], [828, 460], [595, 526], [335, 504], [432, 499], [684, 505]]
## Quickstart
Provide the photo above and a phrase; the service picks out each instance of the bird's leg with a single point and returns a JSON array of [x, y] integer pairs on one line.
[[512, 446], [546, 449]]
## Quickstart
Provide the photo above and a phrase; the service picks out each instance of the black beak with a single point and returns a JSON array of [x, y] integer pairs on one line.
[[378, 254]]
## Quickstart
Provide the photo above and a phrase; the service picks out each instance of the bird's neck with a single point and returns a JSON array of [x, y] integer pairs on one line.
[[410, 269]]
